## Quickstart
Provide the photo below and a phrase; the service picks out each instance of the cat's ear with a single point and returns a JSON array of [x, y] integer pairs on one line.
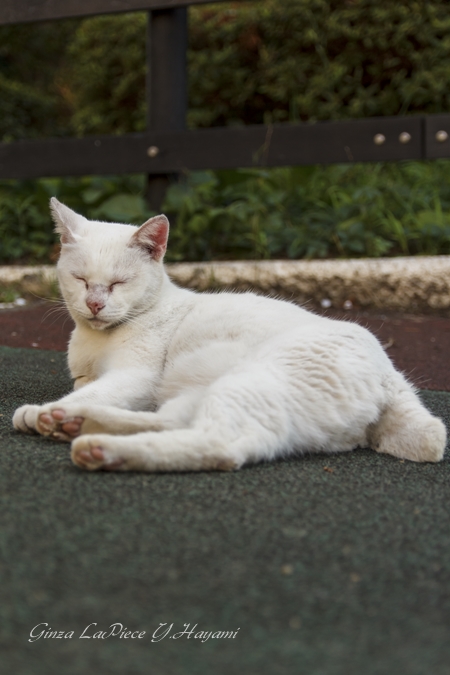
[[152, 236], [65, 221]]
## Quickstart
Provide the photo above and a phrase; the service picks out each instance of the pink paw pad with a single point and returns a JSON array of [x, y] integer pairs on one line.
[[88, 456], [57, 422], [96, 456], [45, 419], [97, 453], [58, 414], [73, 426]]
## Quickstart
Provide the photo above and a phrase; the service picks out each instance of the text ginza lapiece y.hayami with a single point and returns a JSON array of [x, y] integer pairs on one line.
[[118, 630]]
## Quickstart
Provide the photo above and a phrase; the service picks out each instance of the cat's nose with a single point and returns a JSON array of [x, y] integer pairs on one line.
[[95, 306]]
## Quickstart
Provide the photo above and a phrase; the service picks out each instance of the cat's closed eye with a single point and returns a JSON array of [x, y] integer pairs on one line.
[[110, 287], [116, 283], [81, 279]]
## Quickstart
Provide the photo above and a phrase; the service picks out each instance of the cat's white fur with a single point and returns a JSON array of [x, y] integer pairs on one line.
[[170, 380]]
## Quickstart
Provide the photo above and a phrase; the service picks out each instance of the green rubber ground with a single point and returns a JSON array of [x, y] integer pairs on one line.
[[323, 573]]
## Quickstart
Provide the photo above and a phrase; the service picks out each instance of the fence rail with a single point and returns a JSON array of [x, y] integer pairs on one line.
[[167, 148], [27, 11], [222, 148]]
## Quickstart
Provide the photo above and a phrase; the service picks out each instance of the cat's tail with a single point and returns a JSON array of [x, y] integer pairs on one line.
[[406, 429]]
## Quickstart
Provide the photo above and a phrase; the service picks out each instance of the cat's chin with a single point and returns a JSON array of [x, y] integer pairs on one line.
[[99, 324]]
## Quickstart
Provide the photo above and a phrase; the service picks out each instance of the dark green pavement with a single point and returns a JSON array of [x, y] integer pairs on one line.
[[324, 572]]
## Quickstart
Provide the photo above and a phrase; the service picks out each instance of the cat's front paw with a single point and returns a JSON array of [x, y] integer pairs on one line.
[[25, 419], [92, 453], [58, 424]]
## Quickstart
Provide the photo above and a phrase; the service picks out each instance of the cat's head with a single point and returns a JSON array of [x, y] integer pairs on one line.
[[109, 272]]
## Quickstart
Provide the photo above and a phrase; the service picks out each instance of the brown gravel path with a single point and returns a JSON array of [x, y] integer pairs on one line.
[[418, 345]]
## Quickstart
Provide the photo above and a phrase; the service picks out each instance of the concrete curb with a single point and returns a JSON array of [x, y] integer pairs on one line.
[[404, 284]]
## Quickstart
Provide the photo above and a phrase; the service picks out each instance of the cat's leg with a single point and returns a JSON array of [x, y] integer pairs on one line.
[[63, 422], [406, 429], [241, 418], [178, 450], [131, 388], [70, 421]]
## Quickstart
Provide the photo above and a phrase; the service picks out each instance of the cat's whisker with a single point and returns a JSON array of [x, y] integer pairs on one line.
[[44, 298], [46, 319], [65, 321], [56, 312], [59, 308]]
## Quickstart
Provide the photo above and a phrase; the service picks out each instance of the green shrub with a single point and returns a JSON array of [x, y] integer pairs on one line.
[[106, 75], [34, 100], [302, 60], [272, 61], [311, 212], [248, 63], [24, 112], [339, 211], [26, 229]]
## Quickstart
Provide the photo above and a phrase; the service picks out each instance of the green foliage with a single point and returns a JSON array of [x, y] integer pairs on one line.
[[33, 100], [312, 212], [340, 211], [302, 60], [24, 221], [26, 229], [8, 293], [273, 62], [107, 74], [111, 198], [24, 112], [248, 63]]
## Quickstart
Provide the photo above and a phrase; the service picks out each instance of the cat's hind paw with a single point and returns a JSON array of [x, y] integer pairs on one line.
[[90, 452]]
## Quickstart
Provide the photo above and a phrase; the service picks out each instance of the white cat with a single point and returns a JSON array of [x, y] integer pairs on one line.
[[170, 380]]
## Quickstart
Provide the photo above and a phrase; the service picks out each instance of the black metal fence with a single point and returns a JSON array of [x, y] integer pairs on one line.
[[167, 148]]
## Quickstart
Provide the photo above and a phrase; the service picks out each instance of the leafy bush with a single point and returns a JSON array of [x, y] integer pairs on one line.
[[267, 61], [340, 211], [34, 99], [24, 221], [107, 74], [24, 112], [310, 212], [26, 229], [302, 60], [272, 61]]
